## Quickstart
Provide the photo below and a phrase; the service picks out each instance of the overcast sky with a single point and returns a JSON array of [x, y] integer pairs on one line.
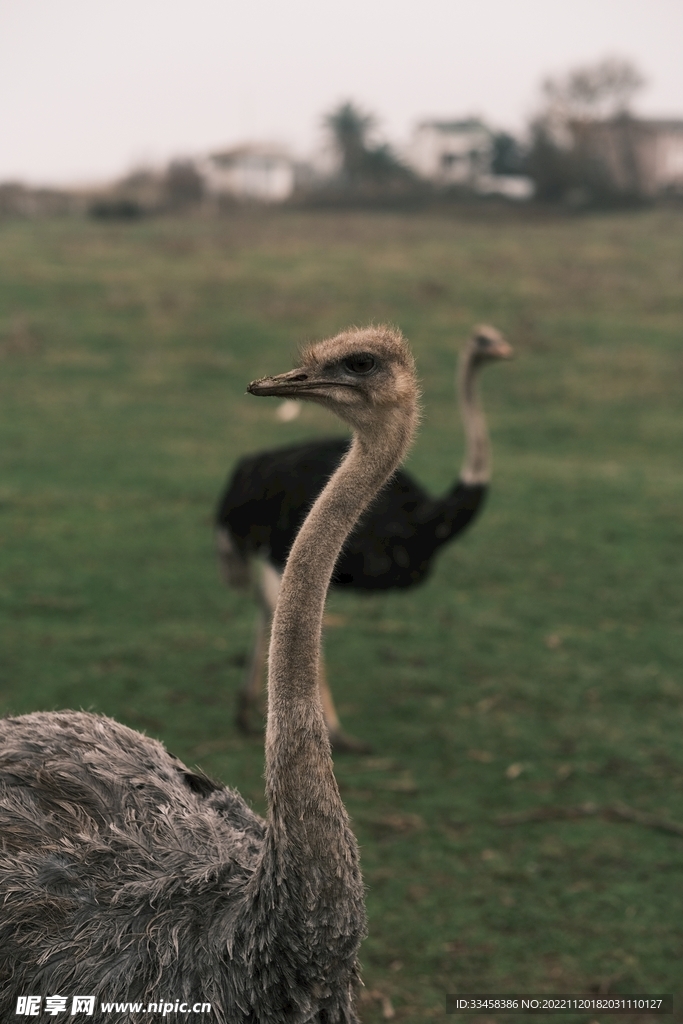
[[90, 88]]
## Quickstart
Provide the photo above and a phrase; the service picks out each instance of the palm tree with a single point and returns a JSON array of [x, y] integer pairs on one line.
[[364, 167], [350, 128]]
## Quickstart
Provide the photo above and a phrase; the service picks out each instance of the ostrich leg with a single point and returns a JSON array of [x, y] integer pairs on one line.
[[339, 740], [249, 693]]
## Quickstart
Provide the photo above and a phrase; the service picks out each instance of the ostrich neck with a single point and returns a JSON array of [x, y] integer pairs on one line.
[[476, 466], [301, 788], [304, 917]]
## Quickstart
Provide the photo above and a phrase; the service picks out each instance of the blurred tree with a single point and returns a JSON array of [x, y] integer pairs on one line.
[[561, 170], [551, 167], [381, 164], [183, 184], [592, 92], [350, 128], [114, 208], [363, 166], [508, 156]]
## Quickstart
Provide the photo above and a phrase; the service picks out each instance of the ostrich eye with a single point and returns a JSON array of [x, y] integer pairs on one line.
[[362, 363], [483, 341]]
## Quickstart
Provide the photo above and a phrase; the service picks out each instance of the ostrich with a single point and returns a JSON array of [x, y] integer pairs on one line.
[[127, 876], [391, 547]]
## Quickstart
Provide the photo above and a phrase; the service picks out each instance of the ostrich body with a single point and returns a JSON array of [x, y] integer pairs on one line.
[[126, 876], [391, 547]]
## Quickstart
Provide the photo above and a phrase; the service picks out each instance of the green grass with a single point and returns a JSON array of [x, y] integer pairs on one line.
[[549, 638]]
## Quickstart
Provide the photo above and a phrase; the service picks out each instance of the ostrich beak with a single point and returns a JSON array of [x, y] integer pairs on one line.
[[504, 350], [283, 385], [295, 384]]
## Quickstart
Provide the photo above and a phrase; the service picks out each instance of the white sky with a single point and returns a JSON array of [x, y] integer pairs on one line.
[[89, 88]]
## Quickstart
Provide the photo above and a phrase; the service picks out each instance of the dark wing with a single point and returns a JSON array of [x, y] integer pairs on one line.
[[452, 514], [270, 493], [392, 546]]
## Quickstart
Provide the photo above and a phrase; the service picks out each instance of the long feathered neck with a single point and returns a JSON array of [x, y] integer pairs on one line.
[[306, 915], [301, 788], [476, 466]]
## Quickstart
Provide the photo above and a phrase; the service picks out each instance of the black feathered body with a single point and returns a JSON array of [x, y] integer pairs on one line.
[[393, 544], [126, 876]]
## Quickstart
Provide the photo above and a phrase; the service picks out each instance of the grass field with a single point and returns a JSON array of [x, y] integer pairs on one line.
[[539, 668]]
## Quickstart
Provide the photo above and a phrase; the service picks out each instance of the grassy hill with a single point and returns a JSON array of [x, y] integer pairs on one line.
[[540, 668]]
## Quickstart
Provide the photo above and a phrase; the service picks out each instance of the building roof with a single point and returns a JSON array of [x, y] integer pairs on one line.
[[272, 151], [467, 125], [648, 123]]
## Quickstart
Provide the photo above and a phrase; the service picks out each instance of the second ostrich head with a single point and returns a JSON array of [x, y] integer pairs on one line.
[[487, 344], [364, 376]]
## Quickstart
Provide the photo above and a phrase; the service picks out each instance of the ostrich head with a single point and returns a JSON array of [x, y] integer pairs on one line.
[[487, 344], [364, 376]]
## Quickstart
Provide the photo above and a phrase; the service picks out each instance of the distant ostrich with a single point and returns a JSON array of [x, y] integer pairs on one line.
[[126, 876], [391, 547]]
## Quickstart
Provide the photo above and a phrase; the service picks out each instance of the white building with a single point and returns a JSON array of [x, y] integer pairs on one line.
[[452, 152], [511, 186], [640, 156], [257, 171], [460, 153]]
